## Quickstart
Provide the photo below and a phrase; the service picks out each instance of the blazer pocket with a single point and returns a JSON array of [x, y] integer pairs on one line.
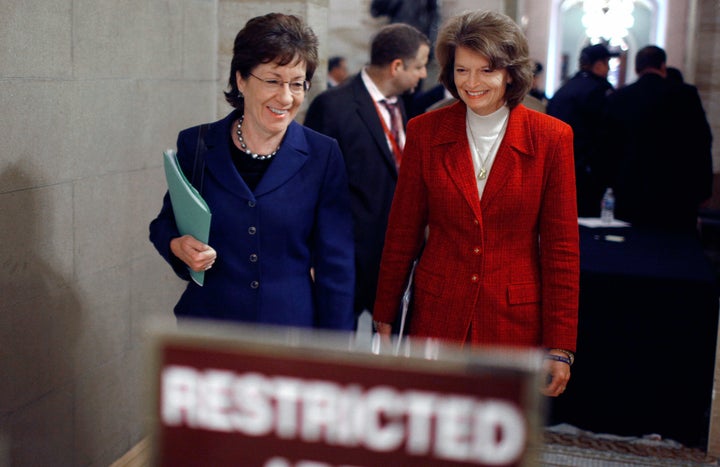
[[427, 281], [523, 293]]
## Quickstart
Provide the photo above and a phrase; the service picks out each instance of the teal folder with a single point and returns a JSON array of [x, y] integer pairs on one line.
[[192, 214]]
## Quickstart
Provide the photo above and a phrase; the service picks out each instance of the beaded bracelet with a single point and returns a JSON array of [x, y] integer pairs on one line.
[[567, 353], [558, 358]]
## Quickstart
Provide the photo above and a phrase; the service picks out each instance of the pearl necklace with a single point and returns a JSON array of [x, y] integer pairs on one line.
[[254, 155]]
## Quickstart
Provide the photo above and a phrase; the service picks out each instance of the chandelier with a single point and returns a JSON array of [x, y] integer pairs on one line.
[[607, 20]]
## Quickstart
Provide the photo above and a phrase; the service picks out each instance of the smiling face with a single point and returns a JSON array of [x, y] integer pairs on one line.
[[478, 85], [269, 109]]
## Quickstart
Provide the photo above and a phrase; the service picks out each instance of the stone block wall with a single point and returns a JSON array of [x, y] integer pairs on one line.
[[91, 93]]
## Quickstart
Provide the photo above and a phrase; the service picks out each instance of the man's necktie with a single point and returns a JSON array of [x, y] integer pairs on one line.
[[395, 125]]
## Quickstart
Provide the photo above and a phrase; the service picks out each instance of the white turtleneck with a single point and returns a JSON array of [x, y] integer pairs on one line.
[[484, 133]]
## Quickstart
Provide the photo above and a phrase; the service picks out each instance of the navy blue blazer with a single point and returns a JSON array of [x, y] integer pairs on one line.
[[268, 240], [348, 114]]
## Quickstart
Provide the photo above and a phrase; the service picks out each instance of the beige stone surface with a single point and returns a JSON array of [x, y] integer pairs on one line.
[[92, 93], [36, 38]]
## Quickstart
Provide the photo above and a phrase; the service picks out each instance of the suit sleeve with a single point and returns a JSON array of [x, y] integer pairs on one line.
[[559, 245], [334, 252], [405, 234]]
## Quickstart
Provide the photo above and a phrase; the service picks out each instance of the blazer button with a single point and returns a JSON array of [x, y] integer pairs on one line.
[[476, 222], [253, 258], [251, 203], [252, 230], [477, 250], [254, 284], [474, 278]]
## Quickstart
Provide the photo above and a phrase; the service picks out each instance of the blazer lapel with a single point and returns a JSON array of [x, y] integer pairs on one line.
[[456, 158], [288, 161], [515, 144], [368, 114], [218, 161]]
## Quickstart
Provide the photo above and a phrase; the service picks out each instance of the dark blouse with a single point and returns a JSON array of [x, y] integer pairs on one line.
[[251, 170]]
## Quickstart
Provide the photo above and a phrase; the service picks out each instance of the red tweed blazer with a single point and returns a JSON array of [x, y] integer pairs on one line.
[[503, 270]]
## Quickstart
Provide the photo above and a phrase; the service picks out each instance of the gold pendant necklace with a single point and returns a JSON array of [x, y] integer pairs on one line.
[[482, 173]]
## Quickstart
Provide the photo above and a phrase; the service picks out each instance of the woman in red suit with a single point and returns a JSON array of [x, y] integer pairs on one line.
[[492, 183]]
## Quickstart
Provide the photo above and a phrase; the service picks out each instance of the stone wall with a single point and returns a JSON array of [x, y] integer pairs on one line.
[[91, 93]]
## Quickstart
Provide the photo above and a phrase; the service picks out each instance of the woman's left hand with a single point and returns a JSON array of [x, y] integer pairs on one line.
[[557, 375]]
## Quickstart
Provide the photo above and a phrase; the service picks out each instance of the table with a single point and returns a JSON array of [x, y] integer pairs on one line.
[[648, 323]]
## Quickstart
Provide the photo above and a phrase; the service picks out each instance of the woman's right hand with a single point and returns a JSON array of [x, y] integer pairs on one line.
[[191, 251], [384, 330], [381, 339]]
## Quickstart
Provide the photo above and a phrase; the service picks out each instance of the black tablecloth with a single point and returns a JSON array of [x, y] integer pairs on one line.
[[647, 333]]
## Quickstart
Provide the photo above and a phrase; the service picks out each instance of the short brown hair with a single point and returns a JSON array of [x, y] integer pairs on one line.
[[496, 37], [272, 38], [396, 40]]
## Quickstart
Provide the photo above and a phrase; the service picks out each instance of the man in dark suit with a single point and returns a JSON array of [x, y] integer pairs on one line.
[[579, 103], [662, 142], [356, 115]]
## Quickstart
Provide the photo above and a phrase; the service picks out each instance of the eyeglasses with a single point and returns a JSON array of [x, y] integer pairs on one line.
[[296, 87]]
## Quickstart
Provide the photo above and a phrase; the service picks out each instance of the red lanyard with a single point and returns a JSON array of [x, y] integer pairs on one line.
[[393, 143]]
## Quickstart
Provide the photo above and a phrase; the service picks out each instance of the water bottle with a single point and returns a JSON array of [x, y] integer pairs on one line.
[[607, 207]]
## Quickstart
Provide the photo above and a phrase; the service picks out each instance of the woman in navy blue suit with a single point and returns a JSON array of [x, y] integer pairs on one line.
[[280, 249]]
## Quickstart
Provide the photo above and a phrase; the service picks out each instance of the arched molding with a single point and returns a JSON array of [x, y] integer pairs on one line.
[[658, 32]]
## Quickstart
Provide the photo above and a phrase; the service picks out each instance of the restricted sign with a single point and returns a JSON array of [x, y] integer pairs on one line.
[[263, 402]]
